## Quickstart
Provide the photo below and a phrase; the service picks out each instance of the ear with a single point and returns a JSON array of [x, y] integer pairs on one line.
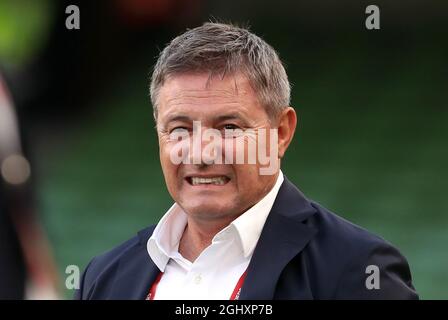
[[287, 122]]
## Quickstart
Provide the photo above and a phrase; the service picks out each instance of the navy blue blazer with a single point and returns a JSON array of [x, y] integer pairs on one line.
[[304, 252]]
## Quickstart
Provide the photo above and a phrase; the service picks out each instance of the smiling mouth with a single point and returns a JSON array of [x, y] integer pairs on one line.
[[217, 181]]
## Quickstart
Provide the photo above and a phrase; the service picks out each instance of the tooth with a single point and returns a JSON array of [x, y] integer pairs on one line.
[[215, 180]]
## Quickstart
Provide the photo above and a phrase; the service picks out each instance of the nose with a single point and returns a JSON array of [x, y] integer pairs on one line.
[[206, 146]]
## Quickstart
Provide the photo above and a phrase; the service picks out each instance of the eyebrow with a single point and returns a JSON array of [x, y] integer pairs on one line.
[[178, 118], [231, 116], [185, 118]]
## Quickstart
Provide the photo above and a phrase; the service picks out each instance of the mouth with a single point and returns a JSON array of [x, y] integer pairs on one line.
[[210, 180]]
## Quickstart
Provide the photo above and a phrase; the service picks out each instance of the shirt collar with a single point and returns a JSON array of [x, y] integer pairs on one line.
[[166, 236], [250, 224], [164, 242]]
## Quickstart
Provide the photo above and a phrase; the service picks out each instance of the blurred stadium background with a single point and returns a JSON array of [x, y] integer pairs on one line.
[[371, 144]]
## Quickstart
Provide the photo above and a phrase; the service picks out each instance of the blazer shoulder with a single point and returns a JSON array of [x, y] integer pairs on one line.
[[107, 261], [117, 252], [336, 231], [350, 250]]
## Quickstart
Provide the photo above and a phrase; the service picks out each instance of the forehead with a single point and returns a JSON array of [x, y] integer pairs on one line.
[[200, 92]]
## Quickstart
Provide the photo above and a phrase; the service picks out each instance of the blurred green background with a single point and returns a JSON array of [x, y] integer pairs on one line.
[[371, 143]]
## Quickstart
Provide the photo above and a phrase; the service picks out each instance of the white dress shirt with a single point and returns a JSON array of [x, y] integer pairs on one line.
[[216, 271]]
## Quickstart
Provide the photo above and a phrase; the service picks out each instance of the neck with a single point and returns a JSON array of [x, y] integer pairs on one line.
[[198, 235]]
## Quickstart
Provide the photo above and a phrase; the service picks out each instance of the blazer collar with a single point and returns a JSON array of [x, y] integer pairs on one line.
[[284, 236]]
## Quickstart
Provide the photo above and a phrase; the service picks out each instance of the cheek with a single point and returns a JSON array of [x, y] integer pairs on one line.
[[240, 150], [246, 177], [164, 157], [168, 167]]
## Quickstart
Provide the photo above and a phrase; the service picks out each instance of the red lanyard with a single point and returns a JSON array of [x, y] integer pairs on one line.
[[235, 294]]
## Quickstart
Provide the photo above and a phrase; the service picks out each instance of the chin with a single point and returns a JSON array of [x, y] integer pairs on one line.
[[209, 210]]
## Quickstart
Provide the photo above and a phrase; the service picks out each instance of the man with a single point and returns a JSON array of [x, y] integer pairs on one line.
[[238, 229]]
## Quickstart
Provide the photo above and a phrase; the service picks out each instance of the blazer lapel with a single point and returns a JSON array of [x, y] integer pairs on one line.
[[284, 235], [136, 272]]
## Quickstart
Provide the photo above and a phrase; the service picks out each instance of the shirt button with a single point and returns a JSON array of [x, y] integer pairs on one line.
[[198, 279]]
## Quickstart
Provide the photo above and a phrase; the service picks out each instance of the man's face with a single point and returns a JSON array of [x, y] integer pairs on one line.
[[214, 191]]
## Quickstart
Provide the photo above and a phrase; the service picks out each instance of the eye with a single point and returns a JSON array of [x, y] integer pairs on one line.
[[230, 126], [231, 131], [179, 129]]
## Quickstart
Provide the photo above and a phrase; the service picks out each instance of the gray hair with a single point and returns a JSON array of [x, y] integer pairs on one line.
[[225, 49]]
